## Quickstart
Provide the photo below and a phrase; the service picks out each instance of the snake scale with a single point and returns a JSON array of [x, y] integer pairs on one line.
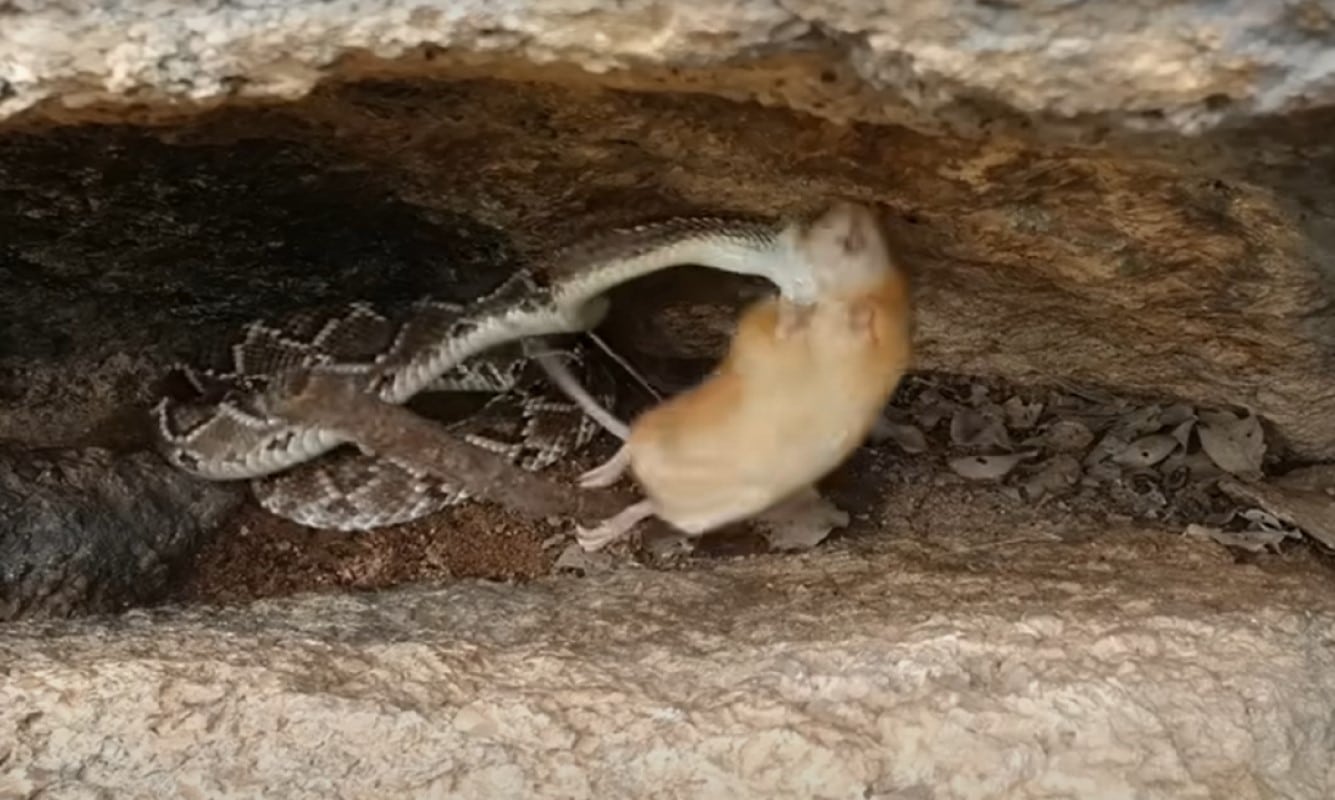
[[218, 429]]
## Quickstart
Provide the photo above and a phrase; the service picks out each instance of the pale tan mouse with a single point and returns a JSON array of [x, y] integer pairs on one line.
[[799, 390]]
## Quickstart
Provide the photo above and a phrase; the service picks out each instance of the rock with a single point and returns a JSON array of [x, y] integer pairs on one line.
[[208, 251], [86, 531], [952, 63], [1133, 666], [1035, 282]]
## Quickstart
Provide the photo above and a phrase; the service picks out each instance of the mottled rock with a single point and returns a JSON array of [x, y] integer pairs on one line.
[[1132, 668], [1178, 65], [87, 531], [1196, 273]]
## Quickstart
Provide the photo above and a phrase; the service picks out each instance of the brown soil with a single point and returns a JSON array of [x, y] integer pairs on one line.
[[261, 555], [909, 500]]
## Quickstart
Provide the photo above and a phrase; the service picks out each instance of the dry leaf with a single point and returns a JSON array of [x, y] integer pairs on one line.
[[1263, 520], [1102, 472], [1182, 433], [1139, 422], [1309, 510], [1177, 414], [977, 394], [1056, 475], [909, 438], [1066, 436], [575, 559], [1253, 541], [930, 408], [1141, 492], [801, 525], [1201, 466], [1235, 444], [1174, 475], [971, 427], [1147, 450], [987, 468], [1021, 415], [1096, 396], [661, 543], [1110, 445]]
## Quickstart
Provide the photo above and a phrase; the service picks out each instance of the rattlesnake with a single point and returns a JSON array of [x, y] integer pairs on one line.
[[220, 431]]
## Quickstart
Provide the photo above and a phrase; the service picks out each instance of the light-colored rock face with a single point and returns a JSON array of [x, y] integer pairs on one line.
[[998, 669], [1171, 64]]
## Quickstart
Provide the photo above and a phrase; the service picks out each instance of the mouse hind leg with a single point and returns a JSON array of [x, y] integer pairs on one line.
[[607, 473], [614, 528]]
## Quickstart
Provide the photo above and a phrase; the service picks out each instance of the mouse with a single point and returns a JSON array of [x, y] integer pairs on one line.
[[801, 387]]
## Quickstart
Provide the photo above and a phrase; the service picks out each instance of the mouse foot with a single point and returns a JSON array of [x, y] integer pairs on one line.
[[591, 540], [614, 528], [607, 473]]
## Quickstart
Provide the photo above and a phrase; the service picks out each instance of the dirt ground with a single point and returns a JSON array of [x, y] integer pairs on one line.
[[911, 499]]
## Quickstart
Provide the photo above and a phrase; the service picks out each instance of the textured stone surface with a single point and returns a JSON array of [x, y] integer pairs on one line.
[[123, 252], [1177, 64], [1137, 667], [86, 531], [1194, 267], [1201, 271]]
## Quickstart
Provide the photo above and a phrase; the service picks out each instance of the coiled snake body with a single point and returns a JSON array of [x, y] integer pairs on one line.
[[221, 432]]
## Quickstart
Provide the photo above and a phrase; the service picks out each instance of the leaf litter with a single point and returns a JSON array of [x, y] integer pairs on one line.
[[1200, 468]]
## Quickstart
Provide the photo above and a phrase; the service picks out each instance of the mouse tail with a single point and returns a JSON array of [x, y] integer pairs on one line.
[[560, 375]]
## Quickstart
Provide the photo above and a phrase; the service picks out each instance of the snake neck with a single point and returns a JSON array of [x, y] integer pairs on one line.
[[572, 297], [746, 246]]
